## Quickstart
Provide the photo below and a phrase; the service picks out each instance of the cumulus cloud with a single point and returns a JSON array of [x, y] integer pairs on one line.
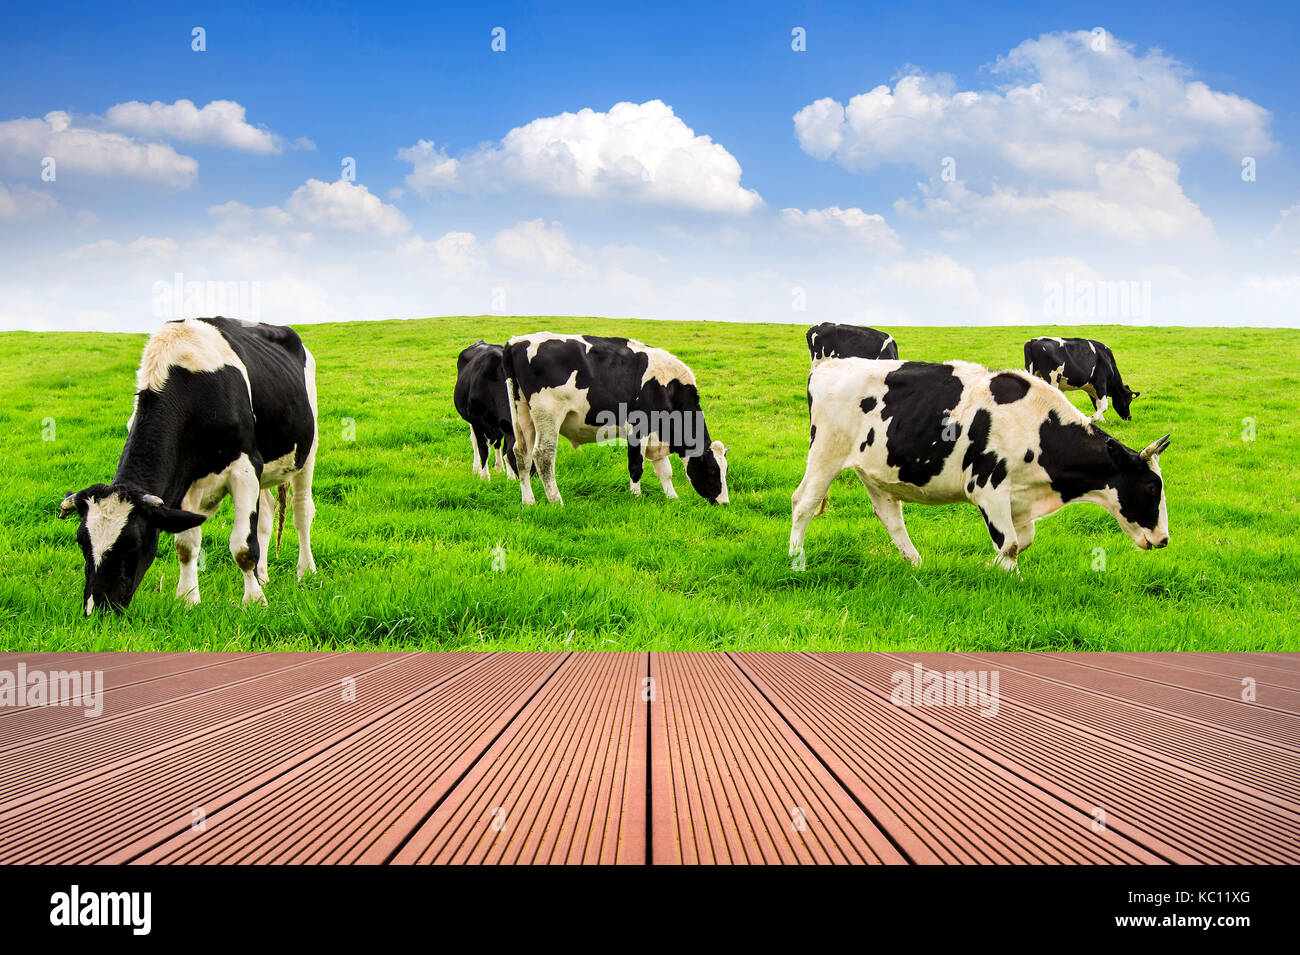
[[859, 227], [1136, 198], [220, 123], [534, 245], [345, 206], [145, 246], [18, 203], [1071, 100], [635, 152], [95, 152], [234, 216], [454, 255]]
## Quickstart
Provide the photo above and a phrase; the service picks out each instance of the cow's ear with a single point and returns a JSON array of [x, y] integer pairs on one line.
[[1120, 456], [68, 505], [173, 520], [1133, 394]]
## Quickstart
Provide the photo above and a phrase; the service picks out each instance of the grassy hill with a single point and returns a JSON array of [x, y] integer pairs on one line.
[[405, 535]]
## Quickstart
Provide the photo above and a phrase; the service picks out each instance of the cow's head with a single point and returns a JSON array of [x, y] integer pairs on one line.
[[1140, 493], [708, 473], [119, 538], [1122, 399]]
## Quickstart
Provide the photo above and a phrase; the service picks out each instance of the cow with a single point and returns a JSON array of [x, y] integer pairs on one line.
[[480, 398], [937, 433], [829, 340], [221, 407], [1080, 364], [596, 389]]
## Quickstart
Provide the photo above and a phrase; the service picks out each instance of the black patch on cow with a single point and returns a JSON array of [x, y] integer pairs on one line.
[[871, 436], [812, 434], [830, 340], [970, 486], [481, 398], [984, 466], [1007, 388], [997, 535], [918, 399], [1029, 456], [862, 447], [1079, 459], [868, 405]]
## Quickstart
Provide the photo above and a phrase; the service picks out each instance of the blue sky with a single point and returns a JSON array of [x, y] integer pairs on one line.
[[1097, 160]]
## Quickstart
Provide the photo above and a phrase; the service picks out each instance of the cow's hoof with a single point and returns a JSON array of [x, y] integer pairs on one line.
[[257, 598], [635, 488], [190, 598]]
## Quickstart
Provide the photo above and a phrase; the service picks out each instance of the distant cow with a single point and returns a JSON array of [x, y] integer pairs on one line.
[[829, 340], [480, 398], [939, 433], [593, 389], [1080, 364], [221, 407]]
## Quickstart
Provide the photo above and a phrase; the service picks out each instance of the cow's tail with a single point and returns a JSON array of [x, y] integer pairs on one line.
[[281, 499]]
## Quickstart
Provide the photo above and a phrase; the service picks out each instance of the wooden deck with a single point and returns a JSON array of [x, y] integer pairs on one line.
[[656, 757]]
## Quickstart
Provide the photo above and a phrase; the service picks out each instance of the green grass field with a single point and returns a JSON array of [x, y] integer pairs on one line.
[[405, 535]]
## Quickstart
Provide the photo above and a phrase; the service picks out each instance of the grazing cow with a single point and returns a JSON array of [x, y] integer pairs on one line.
[[480, 398], [1080, 364], [939, 433], [221, 407], [829, 340], [593, 389]]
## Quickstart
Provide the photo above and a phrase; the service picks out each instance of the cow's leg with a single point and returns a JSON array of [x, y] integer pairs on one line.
[[662, 462], [1024, 535], [482, 461], [889, 511], [508, 456], [525, 448], [807, 498], [996, 510], [548, 442], [1100, 404], [635, 464], [265, 521], [246, 492], [189, 544], [304, 509]]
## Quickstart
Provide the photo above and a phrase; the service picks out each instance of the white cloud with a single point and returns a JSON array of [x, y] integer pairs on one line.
[[233, 216], [533, 245], [220, 123], [1135, 198], [94, 152], [635, 152], [19, 203], [454, 255], [303, 144], [1067, 107], [869, 229], [145, 247], [345, 206]]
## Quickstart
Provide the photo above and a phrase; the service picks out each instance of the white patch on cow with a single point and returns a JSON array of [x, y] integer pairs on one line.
[[190, 344], [105, 519], [275, 473], [90, 605], [661, 366], [135, 406]]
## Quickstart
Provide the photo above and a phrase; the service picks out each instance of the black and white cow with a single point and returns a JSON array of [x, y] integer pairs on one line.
[[221, 407], [939, 433], [1080, 364], [829, 340], [594, 389], [481, 399]]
